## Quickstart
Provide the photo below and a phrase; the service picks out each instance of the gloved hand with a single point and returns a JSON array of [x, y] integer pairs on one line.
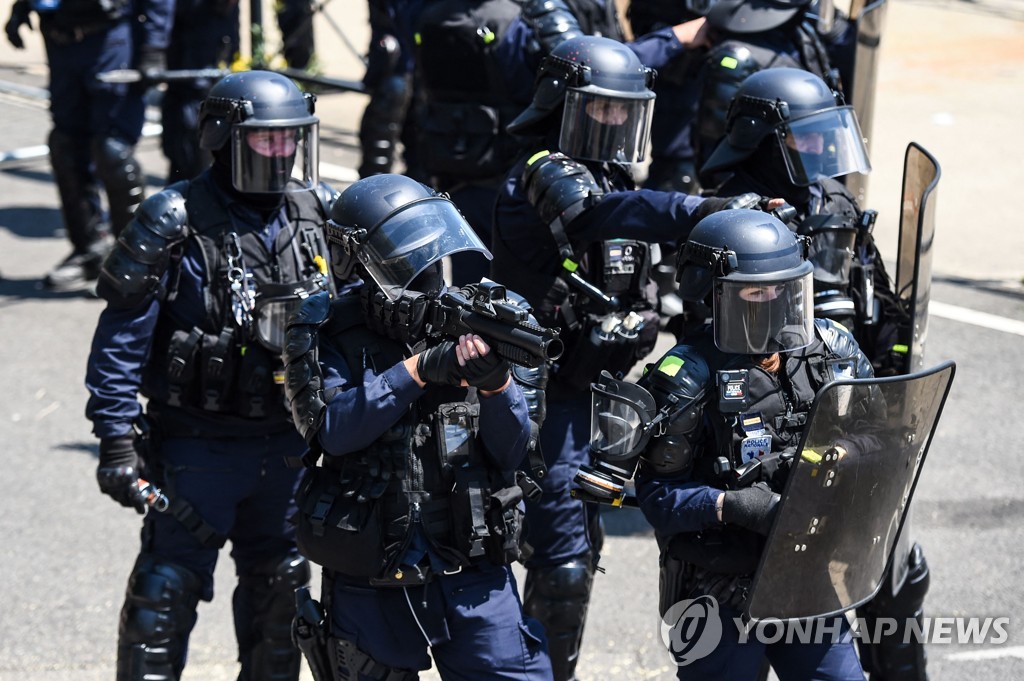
[[152, 61], [118, 472], [481, 367], [753, 507], [21, 12], [439, 365]]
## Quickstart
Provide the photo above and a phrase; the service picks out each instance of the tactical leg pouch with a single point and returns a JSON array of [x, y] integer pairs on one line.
[[351, 664], [339, 533], [158, 615], [264, 606]]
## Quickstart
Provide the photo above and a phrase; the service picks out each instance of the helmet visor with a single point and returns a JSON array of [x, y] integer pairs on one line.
[[272, 160], [825, 144], [599, 127], [413, 238], [761, 318]]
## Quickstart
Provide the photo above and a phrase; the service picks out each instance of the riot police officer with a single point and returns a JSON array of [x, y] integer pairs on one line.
[[414, 513], [571, 234], [751, 35], [790, 135], [198, 289], [738, 392], [95, 124]]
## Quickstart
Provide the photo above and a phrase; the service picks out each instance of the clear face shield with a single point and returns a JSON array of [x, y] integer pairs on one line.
[[413, 238], [597, 127], [825, 144], [272, 160], [761, 318]]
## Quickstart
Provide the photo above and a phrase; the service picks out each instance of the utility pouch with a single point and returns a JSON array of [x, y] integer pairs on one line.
[[506, 526], [336, 532], [470, 503], [218, 362], [182, 358]]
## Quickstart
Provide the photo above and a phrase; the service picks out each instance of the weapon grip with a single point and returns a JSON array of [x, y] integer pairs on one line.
[[517, 355]]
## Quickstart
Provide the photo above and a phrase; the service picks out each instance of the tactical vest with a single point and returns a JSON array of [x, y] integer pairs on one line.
[[595, 336], [358, 512], [464, 105], [218, 372]]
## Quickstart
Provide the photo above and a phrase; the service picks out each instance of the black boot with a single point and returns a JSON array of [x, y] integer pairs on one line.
[[82, 213]]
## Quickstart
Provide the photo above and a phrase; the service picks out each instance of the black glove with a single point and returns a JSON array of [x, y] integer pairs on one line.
[[487, 372], [20, 13], [439, 365], [753, 507], [152, 62], [118, 471]]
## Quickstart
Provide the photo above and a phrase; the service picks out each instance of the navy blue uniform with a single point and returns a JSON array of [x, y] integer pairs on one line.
[[681, 504], [469, 615], [224, 470]]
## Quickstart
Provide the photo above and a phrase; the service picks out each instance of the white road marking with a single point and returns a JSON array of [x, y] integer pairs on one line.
[[962, 314]]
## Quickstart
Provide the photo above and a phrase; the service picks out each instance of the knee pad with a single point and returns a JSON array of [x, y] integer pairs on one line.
[[264, 606], [158, 615], [117, 167], [558, 595]]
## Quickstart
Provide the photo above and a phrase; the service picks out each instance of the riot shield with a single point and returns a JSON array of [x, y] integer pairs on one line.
[[913, 284], [841, 511], [859, 69]]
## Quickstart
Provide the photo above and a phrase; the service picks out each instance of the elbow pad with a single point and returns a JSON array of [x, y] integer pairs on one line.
[[560, 188], [840, 342], [132, 271], [552, 22], [303, 378]]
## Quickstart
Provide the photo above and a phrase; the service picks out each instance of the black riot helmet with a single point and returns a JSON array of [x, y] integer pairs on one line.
[[397, 229], [753, 16], [803, 120], [758, 275], [604, 95], [270, 127]]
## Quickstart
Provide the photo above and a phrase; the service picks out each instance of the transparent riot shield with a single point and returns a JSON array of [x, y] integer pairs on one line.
[[847, 494], [860, 77], [921, 174]]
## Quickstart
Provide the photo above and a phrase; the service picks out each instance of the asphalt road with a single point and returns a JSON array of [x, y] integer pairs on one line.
[[951, 78]]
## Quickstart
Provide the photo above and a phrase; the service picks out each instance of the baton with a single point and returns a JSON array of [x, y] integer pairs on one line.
[[118, 76]]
